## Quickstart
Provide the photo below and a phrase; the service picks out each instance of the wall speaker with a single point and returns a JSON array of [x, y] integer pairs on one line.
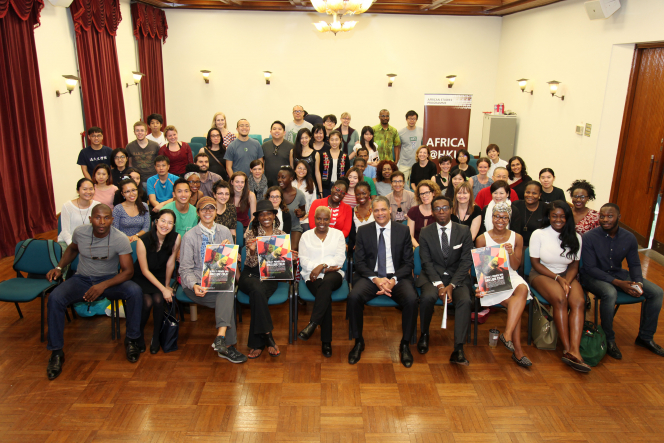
[[601, 9]]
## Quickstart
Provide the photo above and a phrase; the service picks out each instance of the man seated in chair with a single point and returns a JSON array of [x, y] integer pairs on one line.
[[445, 253], [604, 249], [383, 266], [100, 248]]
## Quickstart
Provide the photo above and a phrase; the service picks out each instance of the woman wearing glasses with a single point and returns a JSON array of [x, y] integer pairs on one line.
[[131, 217], [401, 200], [130, 173], [193, 177], [216, 150], [119, 164], [226, 215], [421, 215], [341, 217], [156, 252], [513, 299], [585, 218], [283, 215], [500, 192]]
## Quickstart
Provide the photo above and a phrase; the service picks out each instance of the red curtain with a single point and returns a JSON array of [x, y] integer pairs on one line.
[[26, 201], [96, 22], [150, 28]]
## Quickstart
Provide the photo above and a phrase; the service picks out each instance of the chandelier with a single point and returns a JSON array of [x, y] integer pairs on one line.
[[338, 8]]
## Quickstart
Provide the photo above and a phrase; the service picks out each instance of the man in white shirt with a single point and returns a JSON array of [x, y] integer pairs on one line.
[[446, 259], [411, 139], [383, 266], [156, 121], [493, 152], [298, 123]]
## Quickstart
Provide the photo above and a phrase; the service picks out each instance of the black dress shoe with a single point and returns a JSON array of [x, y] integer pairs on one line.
[[613, 351], [154, 346], [356, 353], [406, 356], [650, 345], [423, 344], [133, 352], [327, 350], [459, 358], [140, 343], [54, 367], [308, 330]]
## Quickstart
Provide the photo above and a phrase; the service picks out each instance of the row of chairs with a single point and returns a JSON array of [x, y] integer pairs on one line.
[[198, 142]]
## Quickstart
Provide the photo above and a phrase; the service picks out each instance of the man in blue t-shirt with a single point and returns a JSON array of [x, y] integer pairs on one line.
[[242, 151], [160, 186], [94, 154]]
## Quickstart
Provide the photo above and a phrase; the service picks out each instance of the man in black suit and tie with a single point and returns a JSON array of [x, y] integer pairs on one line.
[[383, 265], [445, 252]]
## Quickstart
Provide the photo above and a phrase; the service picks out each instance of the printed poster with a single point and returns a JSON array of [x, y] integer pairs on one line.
[[220, 267], [492, 269], [275, 259]]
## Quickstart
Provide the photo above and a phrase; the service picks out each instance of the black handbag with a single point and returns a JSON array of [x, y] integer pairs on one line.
[[168, 336]]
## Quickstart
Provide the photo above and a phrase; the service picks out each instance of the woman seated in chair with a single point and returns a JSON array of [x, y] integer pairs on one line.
[[323, 254], [156, 252], [131, 217], [554, 253], [76, 212], [264, 223], [513, 299], [192, 254]]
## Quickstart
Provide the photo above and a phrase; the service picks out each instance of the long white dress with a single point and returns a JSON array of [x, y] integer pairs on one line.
[[497, 297]]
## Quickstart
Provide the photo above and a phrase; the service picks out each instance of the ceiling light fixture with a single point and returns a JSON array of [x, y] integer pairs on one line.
[[338, 8]]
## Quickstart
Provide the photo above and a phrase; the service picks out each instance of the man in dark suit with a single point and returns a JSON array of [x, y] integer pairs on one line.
[[383, 265], [445, 252]]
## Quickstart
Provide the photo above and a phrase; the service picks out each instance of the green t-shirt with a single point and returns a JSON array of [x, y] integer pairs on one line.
[[386, 140], [372, 185], [183, 222]]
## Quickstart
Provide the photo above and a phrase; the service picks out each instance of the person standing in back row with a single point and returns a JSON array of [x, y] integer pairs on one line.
[[242, 151], [95, 153], [411, 138], [292, 128], [387, 138], [142, 152], [156, 121], [276, 152]]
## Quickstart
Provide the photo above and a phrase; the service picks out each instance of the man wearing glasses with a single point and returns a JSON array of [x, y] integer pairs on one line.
[[94, 154], [446, 259], [298, 123], [411, 138], [387, 138], [100, 249], [276, 152], [242, 151]]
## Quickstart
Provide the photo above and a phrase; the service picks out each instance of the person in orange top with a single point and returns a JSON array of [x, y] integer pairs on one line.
[[483, 197], [341, 214]]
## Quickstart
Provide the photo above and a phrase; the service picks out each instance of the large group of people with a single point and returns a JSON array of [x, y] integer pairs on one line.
[[375, 196]]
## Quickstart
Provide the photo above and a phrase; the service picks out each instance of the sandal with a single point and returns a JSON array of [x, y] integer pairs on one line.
[[524, 361], [270, 343], [574, 363], [508, 344], [255, 356]]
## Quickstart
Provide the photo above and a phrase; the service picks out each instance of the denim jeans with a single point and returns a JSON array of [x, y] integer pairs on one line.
[[72, 291], [608, 294]]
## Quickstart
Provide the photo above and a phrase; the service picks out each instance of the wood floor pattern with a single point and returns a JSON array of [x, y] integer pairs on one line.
[[192, 395]]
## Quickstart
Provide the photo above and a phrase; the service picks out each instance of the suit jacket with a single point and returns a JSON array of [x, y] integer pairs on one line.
[[366, 251], [434, 265]]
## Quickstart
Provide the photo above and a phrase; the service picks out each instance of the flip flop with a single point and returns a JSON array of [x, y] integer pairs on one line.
[[574, 363], [508, 344], [524, 362], [256, 349]]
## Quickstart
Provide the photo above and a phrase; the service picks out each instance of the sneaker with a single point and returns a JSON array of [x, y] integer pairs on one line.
[[219, 344], [232, 355]]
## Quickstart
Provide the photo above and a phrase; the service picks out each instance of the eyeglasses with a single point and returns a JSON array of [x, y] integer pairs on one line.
[[441, 208], [132, 191], [194, 182], [96, 135], [425, 193], [397, 182], [208, 209], [166, 222], [504, 218], [298, 112], [108, 248], [580, 197], [275, 197], [339, 191], [215, 136], [121, 157]]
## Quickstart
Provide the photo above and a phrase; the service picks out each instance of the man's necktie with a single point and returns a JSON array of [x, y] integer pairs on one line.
[[444, 243], [382, 256]]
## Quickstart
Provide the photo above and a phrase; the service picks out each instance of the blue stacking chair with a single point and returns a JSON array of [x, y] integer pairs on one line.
[[115, 304], [37, 257], [417, 271], [199, 140], [239, 235], [305, 294], [527, 266], [283, 294], [472, 161], [257, 137], [195, 147]]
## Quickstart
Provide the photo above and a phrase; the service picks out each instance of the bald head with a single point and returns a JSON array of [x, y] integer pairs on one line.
[[101, 209]]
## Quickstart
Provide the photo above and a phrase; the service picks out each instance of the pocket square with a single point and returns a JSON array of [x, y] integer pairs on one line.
[[457, 246]]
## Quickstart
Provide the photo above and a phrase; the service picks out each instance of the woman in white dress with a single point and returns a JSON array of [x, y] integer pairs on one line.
[[514, 299]]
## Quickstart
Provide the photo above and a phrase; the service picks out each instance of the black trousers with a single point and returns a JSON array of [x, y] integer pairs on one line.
[[364, 290], [462, 307], [259, 293], [322, 290]]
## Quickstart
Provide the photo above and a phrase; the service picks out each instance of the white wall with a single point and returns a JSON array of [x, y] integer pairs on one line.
[[592, 59], [56, 53], [324, 73]]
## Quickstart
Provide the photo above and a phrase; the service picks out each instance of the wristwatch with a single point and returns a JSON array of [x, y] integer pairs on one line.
[[58, 268], [453, 285]]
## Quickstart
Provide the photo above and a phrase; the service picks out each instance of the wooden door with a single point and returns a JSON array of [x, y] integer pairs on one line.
[[638, 172], [658, 241]]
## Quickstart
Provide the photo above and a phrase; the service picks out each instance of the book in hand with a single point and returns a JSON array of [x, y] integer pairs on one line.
[[220, 267], [275, 259], [492, 269]]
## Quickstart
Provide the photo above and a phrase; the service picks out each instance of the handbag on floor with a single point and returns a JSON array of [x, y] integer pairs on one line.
[[593, 343], [168, 336], [545, 334]]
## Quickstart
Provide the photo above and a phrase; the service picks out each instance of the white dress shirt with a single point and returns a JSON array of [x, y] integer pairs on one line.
[[448, 233], [389, 264], [314, 251]]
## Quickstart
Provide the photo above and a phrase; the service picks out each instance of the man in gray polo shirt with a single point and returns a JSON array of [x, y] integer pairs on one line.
[[242, 151], [411, 139], [100, 248]]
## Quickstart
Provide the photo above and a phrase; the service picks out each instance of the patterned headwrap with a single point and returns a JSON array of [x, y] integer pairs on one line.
[[502, 207], [189, 174]]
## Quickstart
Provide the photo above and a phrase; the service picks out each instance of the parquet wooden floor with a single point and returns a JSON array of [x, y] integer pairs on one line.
[[192, 395]]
